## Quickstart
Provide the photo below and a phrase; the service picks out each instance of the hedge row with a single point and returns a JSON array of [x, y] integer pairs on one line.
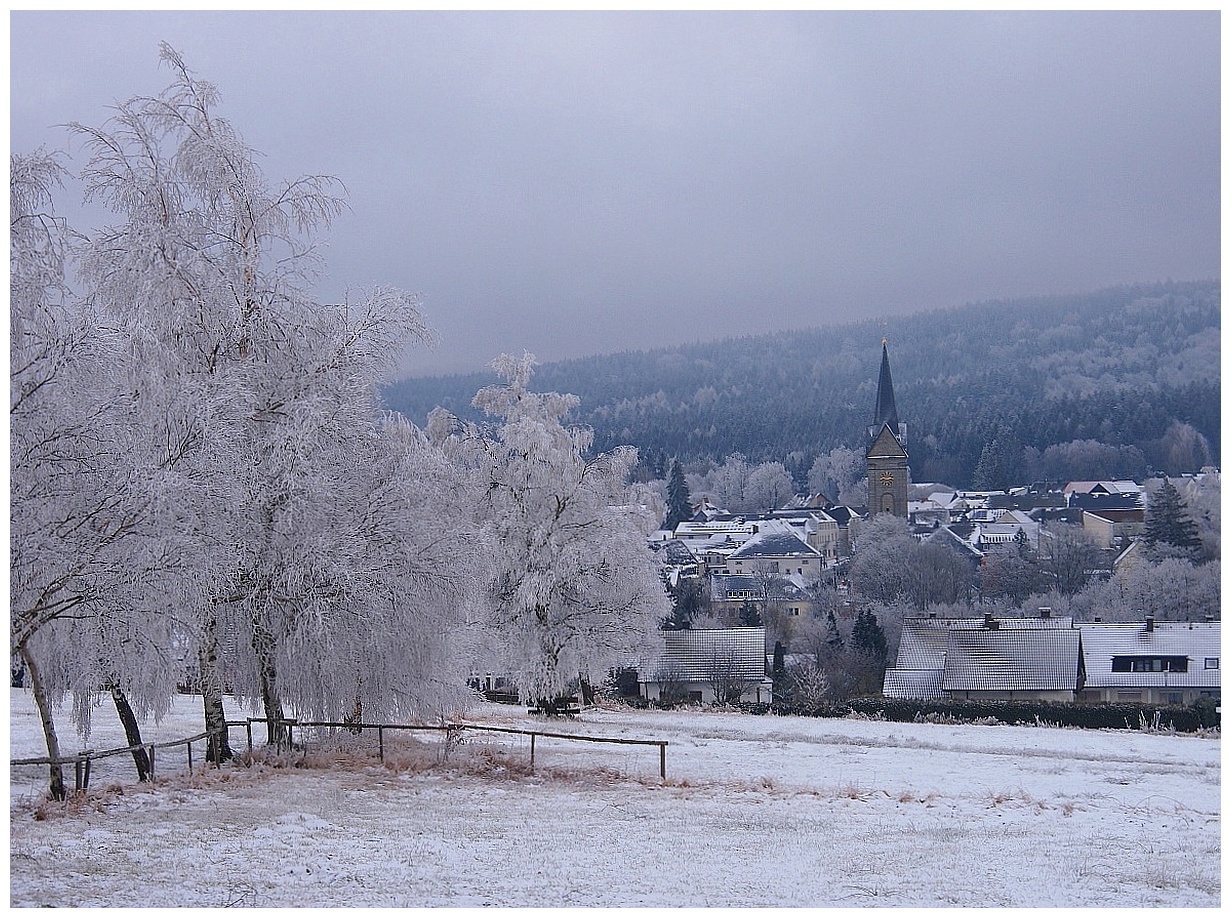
[[1117, 715]]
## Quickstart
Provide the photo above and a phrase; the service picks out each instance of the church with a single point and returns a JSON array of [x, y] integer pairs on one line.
[[886, 451]]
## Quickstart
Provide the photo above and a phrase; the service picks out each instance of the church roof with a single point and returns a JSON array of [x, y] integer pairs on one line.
[[886, 408]]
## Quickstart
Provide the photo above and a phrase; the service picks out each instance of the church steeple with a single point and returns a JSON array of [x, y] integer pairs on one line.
[[888, 470], [886, 407]]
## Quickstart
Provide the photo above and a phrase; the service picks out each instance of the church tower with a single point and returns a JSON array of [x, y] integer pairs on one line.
[[886, 452]]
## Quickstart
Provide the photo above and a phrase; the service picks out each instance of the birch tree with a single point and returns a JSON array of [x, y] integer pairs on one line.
[[575, 588], [258, 403], [81, 538]]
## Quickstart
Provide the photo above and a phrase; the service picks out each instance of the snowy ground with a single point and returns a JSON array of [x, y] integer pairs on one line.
[[755, 811]]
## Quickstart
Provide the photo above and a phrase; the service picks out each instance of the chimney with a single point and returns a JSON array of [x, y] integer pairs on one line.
[[990, 623], [1097, 619], [1044, 611], [1149, 623]]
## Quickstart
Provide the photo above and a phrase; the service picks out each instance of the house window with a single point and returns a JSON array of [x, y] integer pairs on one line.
[[1128, 696], [1211, 662], [1144, 664], [1174, 697], [795, 611]]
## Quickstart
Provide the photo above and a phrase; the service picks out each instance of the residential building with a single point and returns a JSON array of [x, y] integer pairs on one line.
[[707, 666], [1152, 662]]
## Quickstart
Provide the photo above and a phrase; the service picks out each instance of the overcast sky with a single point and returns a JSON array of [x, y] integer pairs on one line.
[[572, 184]]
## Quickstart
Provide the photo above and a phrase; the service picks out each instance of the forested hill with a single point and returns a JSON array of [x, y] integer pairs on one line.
[[1120, 382]]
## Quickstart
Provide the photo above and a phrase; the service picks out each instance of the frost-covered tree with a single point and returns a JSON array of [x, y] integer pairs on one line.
[[877, 571], [725, 484], [769, 486], [838, 474], [1069, 555], [259, 411], [1171, 590], [575, 588], [83, 545]]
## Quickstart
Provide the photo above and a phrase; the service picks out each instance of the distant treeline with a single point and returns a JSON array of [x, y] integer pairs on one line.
[[1124, 382]]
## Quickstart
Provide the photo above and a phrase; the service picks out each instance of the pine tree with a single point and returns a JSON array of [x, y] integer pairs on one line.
[[833, 637], [679, 501], [1168, 522], [868, 637]]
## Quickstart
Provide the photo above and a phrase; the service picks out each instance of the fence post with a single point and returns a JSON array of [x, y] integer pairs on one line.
[[532, 752], [248, 727], [85, 780], [77, 775], [662, 761], [189, 744], [380, 740], [151, 754]]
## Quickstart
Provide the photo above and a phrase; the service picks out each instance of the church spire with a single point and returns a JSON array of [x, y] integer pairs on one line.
[[886, 409]]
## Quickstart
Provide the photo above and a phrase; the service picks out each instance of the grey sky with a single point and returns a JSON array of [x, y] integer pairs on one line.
[[572, 184]]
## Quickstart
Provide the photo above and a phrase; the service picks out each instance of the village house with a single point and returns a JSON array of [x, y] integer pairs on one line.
[[1113, 528], [776, 549], [1152, 662], [707, 666], [987, 658], [730, 594], [1053, 659]]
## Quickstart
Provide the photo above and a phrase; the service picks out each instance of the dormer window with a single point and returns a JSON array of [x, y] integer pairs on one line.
[[1149, 664]]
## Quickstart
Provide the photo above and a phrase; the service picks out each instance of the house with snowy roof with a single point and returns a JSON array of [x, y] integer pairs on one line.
[[729, 593], [1004, 530], [776, 549], [1042, 664], [1055, 660], [707, 666], [1152, 662], [987, 658], [1097, 489]]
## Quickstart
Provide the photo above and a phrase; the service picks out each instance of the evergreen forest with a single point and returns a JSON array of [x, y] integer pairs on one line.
[[1122, 383]]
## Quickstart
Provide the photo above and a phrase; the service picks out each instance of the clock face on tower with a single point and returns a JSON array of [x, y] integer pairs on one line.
[[886, 478]]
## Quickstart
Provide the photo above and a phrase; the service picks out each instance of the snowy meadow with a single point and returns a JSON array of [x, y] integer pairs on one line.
[[755, 811]]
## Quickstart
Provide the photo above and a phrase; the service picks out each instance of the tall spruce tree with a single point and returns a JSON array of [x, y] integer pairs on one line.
[[679, 501], [833, 637], [868, 637], [1168, 527]]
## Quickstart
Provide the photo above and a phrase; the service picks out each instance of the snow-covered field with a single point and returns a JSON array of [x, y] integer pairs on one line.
[[755, 811]]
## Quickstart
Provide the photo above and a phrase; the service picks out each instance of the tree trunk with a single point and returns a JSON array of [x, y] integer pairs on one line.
[[266, 651], [56, 790], [132, 731], [218, 745]]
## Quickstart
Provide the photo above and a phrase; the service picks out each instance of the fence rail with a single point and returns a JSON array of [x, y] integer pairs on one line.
[[81, 760]]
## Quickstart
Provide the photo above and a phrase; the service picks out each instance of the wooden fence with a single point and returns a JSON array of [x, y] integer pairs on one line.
[[81, 760]]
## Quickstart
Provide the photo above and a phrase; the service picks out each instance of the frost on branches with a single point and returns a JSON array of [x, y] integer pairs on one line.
[[202, 477], [206, 490], [575, 588]]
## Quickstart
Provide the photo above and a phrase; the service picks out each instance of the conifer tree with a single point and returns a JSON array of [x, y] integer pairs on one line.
[[679, 501], [1168, 522], [868, 637], [833, 637]]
